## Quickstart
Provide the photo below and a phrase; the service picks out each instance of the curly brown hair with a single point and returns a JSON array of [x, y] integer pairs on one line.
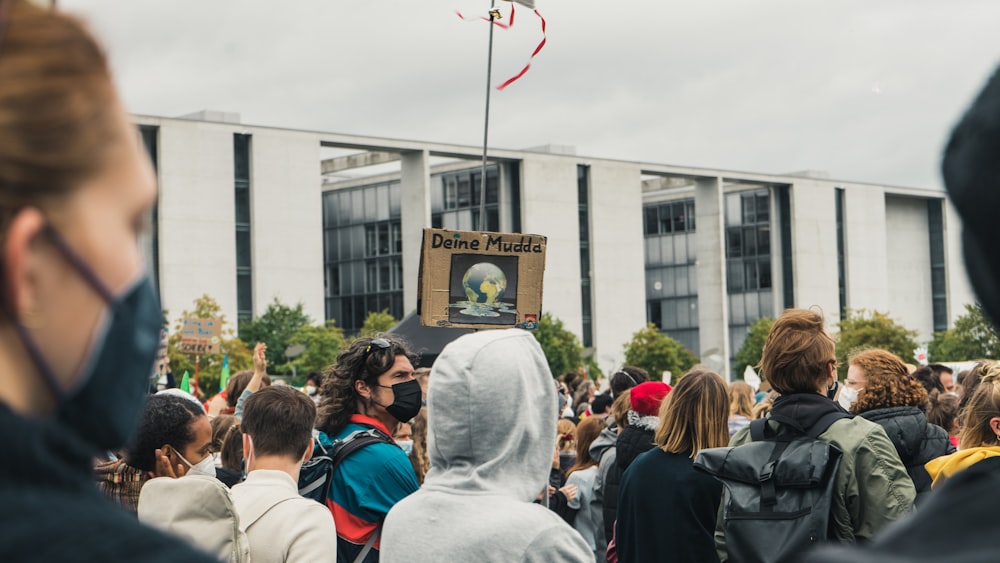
[[363, 361], [889, 384], [419, 458]]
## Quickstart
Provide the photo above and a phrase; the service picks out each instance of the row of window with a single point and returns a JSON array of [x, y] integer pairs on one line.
[[670, 217], [462, 189], [364, 276], [361, 205], [350, 312]]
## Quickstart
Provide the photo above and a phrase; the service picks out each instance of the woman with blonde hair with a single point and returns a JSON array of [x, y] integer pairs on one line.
[[740, 406], [662, 486], [896, 401], [980, 435], [566, 444]]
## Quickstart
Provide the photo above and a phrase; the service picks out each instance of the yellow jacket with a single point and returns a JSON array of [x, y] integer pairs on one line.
[[945, 466]]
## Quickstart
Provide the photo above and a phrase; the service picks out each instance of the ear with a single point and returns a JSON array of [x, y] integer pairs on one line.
[[20, 265], [995, 426], [362, 388], [246, 446], [309, 452]]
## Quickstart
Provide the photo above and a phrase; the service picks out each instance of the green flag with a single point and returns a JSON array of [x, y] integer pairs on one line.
[[224, 378], [185, 384]]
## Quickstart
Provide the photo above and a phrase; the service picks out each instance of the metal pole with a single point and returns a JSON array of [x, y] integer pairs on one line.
[[486, 124]]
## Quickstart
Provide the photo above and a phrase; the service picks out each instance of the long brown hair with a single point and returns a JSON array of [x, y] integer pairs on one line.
[[418, 458], [741, 399], [58, 107], [586, 432], [695, 415]]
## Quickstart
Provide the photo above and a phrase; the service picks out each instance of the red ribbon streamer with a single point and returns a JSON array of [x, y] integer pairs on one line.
[[524, 70]]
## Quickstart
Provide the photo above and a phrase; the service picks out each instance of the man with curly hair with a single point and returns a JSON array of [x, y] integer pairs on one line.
[[371, 387]]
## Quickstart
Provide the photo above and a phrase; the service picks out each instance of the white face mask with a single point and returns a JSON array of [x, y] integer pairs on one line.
[[204, 467], [310, 390], [848, 395]]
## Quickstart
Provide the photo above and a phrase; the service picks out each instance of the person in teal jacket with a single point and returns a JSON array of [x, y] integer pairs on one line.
[[370, 387]]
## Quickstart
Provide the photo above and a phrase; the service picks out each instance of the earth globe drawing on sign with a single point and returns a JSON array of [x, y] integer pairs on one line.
[[484, 284]]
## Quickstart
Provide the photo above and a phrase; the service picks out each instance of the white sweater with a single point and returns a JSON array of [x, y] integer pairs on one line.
[[281, 525]]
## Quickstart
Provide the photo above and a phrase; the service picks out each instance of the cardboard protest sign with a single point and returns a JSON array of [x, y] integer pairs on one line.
[[201, 336], [474, 279]]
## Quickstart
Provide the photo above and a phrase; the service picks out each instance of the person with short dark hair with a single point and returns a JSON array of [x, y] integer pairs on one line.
[[174, 438], [280, 524], [370, 388], [946, 376], [601, 406], [929, 379], [314, 381], [627, 378]]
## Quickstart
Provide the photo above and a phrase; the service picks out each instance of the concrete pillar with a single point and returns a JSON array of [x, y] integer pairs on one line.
[[415, 196], [713, 304]]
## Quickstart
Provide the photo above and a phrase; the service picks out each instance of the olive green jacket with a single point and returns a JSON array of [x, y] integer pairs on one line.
[[872, 485]]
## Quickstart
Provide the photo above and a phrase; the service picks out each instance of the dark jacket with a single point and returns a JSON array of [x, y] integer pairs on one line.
[[916, 440], [956, 524], [667, 510], [52, 509], [633, 440]]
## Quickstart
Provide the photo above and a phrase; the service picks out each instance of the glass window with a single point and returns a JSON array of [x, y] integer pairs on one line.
[[665, 219], [396, 198], [749, 241], [734, 243], [330, 218], [343, 208], [371, 277], [750, 269], [383, 239], [737, 309], [669, 314], [733, 210], [679, 217], [766, 304], [690, 215], [449, 221], [464, 195], [584, 227], [680, 249], [585, 261], [371, 240], [651, 226], [357, 206], [242, 205], [464, 221], [243, 249], [333, 311], [450, 192], [371, 211], [681, 279], [397, 238], [398, 279], [764, 240], [492, 219], [333, 280], [763, 207], [667, 250], [492, 186], [764, 268], [384, 279], [382, 203], [241, 153], [331, 246], [436, 221], [358, 272], [652, 245], [734, 276], [749, 215], [244, 295], [654, 313]]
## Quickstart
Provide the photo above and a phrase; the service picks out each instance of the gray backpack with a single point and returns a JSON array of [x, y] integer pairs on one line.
[[778, 489]]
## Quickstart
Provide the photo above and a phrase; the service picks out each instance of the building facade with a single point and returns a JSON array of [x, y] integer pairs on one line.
[[250, 214]]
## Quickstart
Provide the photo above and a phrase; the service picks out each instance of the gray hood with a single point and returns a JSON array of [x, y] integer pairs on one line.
[[491, 416]]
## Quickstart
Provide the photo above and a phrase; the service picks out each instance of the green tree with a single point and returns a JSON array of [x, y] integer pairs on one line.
[[210, 365], [972, 338], [561, 347], [656, 352], [376, 323], [873, 329], [753, 345], [322, 345], [275, 327]]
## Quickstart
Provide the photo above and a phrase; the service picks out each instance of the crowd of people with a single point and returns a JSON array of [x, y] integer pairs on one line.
[[484, 457]]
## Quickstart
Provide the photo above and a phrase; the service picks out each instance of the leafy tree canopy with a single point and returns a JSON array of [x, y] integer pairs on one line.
[[376, 323], [657, 352], [322, 345], [561, 347], [753, 345], [861, 329], [972, 338], [276, 327]]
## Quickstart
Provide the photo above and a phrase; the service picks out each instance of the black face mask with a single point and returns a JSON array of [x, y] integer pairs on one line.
[[104, 404], [407, 401]]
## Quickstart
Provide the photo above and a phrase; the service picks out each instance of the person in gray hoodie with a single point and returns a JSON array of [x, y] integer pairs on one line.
[[491, 433]]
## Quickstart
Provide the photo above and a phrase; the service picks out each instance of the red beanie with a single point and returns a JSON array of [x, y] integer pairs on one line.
[[647, 396]]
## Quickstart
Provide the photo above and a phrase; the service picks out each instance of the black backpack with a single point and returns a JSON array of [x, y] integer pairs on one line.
[[316, 474], [778, 490]]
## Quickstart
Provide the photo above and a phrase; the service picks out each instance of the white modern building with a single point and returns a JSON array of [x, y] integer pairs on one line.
[[248, 214]]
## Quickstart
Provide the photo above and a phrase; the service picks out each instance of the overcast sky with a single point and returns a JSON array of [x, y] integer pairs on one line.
[[864, 89]]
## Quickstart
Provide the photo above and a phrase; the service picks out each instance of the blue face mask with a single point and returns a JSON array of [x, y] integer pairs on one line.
[[406, 445], [104, 404]]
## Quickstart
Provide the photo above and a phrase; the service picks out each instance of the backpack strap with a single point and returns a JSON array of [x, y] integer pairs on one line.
[[354, 442], [369, 544], [757, 427], [825, 421]]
